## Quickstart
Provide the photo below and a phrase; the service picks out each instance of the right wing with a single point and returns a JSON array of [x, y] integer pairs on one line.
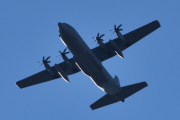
[[131, 37], [45, 76]]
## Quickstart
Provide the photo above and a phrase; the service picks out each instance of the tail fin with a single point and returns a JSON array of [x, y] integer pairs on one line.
[[124, 93]]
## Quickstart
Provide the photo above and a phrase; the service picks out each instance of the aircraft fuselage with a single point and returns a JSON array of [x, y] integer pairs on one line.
[[85, 59]]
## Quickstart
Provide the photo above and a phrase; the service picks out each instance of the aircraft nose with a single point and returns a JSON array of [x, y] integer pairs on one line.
[[59, 24], [63, 27], [60, 27]]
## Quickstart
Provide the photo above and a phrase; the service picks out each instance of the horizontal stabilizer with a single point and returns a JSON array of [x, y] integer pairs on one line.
[[124, 93], [131, 89], [105, 100]]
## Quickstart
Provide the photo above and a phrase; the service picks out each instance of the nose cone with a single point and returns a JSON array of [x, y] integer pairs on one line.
[[63, 28], [59, 24], [60, 27]]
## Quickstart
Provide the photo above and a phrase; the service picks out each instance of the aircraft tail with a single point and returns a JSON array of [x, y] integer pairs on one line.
[[123, 94]]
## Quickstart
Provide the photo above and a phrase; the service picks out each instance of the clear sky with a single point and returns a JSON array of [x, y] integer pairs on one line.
[[28, 31]]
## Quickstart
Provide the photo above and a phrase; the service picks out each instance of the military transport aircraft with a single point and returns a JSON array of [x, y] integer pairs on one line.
[[89, 61]]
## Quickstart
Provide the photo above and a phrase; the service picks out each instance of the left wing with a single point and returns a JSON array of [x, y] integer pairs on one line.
[[45, 76]]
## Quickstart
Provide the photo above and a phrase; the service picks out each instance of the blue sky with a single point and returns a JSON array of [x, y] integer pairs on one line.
[[28, 31]]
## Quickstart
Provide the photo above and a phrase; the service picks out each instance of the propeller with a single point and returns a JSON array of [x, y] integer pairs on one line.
[[98, 38], [64, 52], [117, 29], [44, 61]]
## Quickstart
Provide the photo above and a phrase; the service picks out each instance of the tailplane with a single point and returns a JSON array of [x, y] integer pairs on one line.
[[131, 89], [121, 96]]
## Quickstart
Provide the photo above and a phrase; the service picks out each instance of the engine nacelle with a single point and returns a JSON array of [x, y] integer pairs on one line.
[[67, 61], [48, 68], [120, 36], [101, 43], [61, 73], [116, 49]]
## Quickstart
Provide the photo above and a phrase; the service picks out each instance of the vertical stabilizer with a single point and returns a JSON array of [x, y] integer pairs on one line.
[[116, 79]]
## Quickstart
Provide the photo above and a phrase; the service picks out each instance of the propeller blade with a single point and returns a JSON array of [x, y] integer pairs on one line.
[[40, 65], [114, 27], [64, 50], [93, 37], [44, 61], [98, 38], [119, 26], [98, 35], [60, 52], [112, 33], [102, 35], [48, 58], [93, 41]]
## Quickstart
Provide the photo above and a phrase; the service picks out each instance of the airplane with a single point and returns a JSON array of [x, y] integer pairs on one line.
[[89, 61]]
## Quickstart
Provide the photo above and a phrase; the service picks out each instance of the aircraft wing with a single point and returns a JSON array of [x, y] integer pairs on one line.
[[45, 76], [131, 37]]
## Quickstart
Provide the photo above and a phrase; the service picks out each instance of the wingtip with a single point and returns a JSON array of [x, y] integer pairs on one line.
[[91, 107], [16, 83], [145, 83], [158, 23]]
